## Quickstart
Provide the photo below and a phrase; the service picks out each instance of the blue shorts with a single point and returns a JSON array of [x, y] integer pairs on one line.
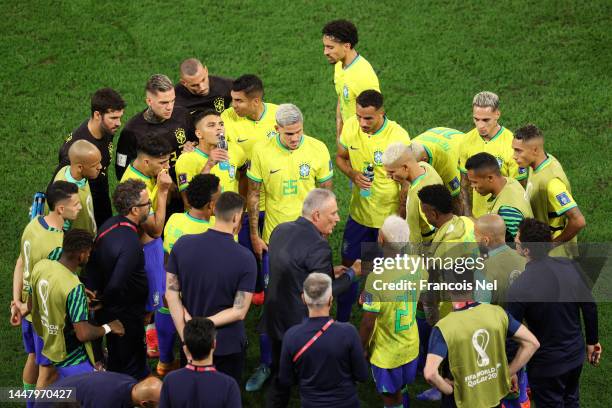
[[244, 235], [354, 235], [392, 380], [82, 368], [33, 343], [156, 275]]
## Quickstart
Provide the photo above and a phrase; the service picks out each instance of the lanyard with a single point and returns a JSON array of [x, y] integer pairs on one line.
[[311, 341], [200, 369], [120, 224]]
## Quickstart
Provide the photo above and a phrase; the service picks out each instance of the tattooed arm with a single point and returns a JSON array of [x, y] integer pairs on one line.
[[253, 207], [175, 304], [242, 302]]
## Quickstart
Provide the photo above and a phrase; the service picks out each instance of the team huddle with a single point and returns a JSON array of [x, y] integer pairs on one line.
[[224, 205]]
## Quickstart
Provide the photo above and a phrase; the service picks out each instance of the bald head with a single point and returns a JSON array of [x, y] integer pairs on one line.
[[491, 227], [82, 151], [190, 67], [146, 392]]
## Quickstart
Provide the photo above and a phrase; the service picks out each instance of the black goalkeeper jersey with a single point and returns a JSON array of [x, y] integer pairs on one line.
[[218, 98], [177, 130]]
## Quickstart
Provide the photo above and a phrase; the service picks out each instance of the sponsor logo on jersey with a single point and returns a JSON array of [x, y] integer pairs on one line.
[[304, 170], [180, 135]]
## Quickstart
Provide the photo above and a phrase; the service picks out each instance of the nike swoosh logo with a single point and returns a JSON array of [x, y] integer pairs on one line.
[[274, 171], [353, 148], [239, 140]]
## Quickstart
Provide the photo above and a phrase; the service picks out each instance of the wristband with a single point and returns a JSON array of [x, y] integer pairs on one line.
[[106, 328]]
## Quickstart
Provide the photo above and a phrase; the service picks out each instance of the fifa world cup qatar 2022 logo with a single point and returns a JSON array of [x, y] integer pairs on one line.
[[480, 341]]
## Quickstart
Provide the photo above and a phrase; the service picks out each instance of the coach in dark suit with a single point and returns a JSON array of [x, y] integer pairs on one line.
[[296, 250]]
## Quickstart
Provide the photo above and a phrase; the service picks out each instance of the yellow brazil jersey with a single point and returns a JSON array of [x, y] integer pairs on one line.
[[395, 339], [38, 241], [150, 182], [499, 146], [287, 176], [247, 132], [180, 224], [420, 229], [350, 81], [441, 146], [365, 149], [191, 164], [85, 219]]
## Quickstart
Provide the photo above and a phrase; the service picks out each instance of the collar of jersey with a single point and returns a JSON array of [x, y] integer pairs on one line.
[[80, 183], [428, 154], [283, 147], [135, 170], [418, 179], [499, 132], [381, 128], [262, 114], [498, 250], [198, 151], [192, 218], [543, 164], [46, 226], [352, 62]]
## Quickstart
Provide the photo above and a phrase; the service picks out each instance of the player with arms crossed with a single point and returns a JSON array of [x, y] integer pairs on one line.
[[549, 191]]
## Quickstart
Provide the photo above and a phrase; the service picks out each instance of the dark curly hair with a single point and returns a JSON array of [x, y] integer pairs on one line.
[[127, 195], [153, 145], [342, 31], [76, 240], [536, 237], [528, 132], [438, 197], [201, 188]]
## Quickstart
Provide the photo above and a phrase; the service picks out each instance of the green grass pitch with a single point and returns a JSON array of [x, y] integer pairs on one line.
[[549, 61]]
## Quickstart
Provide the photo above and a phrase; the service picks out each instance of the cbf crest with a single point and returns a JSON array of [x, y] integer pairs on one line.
[[345, 92], [500, 162], [219, 104], [232, 171], [378, 157], [271, 134], [304, 170], [180, 135]]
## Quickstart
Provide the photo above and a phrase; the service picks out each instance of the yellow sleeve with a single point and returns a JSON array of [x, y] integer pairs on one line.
[[325, 169], [167, 246], [241, 158], [183, 175], [255, 171], [368, 80], [560, 200], [463, 156], [371, 297], [345, 138]]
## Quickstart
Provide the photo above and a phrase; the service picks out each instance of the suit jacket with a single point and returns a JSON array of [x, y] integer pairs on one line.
[[296, 249]]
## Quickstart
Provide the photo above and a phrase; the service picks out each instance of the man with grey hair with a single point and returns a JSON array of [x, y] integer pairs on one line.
[[162, 118], [298, 249], [389, 330], [401, 165], [323, 357], [490, 137], [197, 91]]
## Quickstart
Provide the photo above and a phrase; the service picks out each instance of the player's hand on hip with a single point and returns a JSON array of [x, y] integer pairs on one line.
[[360, 180], [258, 245], [356, 267], [164, 181], [514, 385], [594, 354], [117, 328], [188, 147]]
